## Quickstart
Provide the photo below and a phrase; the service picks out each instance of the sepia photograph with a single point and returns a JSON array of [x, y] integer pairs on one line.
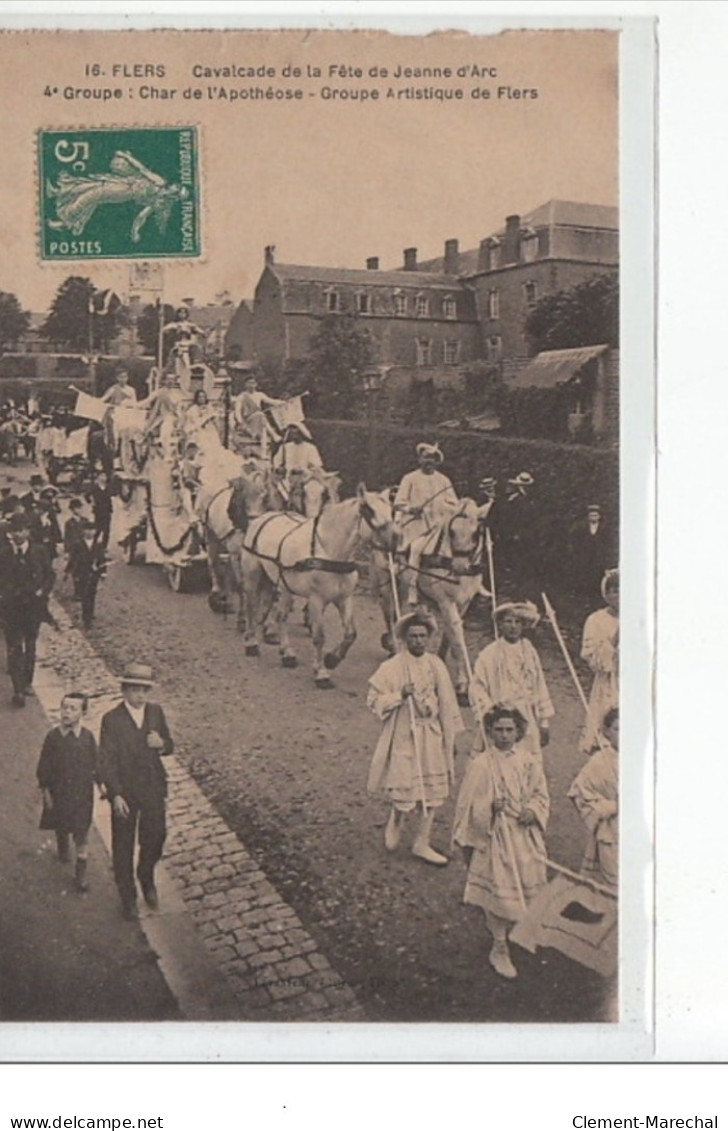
[[310, 387]]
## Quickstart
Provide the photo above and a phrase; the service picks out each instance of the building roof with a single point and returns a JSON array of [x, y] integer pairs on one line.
[[555, 367], [554, 213], [212, 315], [573, 213], [378, 278]]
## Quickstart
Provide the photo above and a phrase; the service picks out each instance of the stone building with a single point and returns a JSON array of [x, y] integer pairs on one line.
[[423, 325], [559, 245]]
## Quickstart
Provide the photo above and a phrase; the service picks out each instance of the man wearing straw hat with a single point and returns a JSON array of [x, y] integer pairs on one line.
[[134, 738], [413, 761]]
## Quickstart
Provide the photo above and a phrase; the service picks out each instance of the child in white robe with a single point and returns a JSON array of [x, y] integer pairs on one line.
[[500, 821], [600, 649], [595, 793]]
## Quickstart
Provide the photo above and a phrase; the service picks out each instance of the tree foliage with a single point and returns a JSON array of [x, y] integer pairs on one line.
[[148, 328], [72, 326], [584, 315], [340, 353], [14, 321]]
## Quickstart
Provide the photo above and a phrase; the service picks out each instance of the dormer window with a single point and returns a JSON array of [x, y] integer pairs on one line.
[[363, 302], [494, 253], [422, 306], [449, 307], [333, 301], [400, 304]]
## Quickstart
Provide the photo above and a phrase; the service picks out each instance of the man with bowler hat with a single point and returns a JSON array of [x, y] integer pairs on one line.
[[26, 579], [134, 739]]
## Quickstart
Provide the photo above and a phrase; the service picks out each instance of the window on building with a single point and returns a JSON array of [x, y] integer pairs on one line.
[[424, 351], [493, 348], [494, 304], [449, 307], [494, 256], [333, 301], [400, 304], [422, 306], [529, 248], [530, 293], [451, 351], [364, 302]]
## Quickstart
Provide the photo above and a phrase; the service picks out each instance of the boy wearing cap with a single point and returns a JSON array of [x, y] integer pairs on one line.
[[26, 580], [413, 765], [134, 739]]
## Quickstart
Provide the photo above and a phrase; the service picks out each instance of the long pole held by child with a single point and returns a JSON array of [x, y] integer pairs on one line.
[[494, 771], [410, 704]]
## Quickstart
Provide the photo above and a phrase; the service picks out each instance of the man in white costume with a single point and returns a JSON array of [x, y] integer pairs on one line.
[[249, 412], [508, 670], [413, 761], [424, 498]]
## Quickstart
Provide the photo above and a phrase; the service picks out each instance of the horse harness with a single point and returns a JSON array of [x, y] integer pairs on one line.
[[438, 560], [312, 562]]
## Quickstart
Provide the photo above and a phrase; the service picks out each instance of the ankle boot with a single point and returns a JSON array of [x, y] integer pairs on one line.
[[80, 876]]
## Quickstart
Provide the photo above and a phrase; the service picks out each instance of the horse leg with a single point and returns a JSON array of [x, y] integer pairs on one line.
[[234, 576], [283, 606], [345, 606], [215, 599], [258, 595], [316, 607]]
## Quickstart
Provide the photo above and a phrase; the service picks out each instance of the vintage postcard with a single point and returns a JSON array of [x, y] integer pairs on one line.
[[311, 374]]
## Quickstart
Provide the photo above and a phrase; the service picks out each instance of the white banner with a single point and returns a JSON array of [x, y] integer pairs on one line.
[[290, 412], [129, 416], [91, 408]]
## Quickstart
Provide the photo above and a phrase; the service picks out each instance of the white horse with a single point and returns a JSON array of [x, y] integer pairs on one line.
[[315, 559], [448, 566]]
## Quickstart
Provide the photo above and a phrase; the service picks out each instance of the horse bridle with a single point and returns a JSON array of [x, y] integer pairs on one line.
[[367, 513]]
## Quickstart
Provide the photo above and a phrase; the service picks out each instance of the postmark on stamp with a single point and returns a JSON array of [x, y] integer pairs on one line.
[[119, 193]]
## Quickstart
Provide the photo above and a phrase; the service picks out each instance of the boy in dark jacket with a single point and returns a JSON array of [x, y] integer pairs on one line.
[[87, 565], [67, 770]]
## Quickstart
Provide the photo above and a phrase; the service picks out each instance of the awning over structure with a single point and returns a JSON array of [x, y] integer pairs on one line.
[[555, 367]]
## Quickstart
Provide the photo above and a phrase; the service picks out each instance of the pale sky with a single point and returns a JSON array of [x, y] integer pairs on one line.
[[327, 181]]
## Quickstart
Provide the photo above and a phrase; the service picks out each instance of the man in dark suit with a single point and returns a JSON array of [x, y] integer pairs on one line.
[[26, 580], [134, 738], [593, 549]]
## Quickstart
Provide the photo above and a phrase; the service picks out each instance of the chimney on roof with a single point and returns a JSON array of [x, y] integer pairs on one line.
[[373, 263], [270, 255], [484, 255], [512, 240], [410, 259], [452, 257]]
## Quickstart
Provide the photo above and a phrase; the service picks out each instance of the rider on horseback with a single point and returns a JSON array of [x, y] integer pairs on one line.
[[424, 498]]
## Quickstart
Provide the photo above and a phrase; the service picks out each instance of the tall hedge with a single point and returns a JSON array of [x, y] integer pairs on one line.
[[567, 477]]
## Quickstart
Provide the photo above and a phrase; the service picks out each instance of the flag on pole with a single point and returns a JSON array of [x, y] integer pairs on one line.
[[90, 408], [575, 919], [290, 412], [76, 443], [103, 302]]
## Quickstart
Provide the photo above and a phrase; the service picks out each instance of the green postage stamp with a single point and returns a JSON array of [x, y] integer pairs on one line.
[[119, 193]]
